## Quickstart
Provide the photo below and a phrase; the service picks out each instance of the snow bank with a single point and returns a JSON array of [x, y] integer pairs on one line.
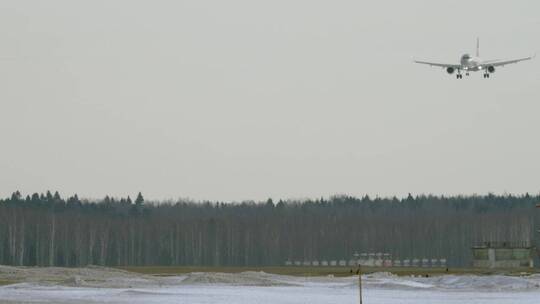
[[102, 277], [493, 282], [248, 278], [373, 281], [453, 282], [91, 276]]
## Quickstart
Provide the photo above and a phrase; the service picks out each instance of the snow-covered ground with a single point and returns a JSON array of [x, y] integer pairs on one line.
[[111, 286]]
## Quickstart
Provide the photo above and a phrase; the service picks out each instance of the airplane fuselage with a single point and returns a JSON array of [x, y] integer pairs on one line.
[[469, 63]]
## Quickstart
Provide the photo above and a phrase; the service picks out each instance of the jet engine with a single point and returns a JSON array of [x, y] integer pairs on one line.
[[450, 70], [491, 69]]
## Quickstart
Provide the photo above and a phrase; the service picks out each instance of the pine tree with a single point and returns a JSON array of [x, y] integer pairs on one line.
[[16, 196], [139, 201], [137, 209]]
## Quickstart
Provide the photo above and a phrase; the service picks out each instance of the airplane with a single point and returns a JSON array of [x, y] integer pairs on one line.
[[470, 63]]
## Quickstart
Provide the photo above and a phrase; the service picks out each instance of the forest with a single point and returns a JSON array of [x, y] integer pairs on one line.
[[48, 230]]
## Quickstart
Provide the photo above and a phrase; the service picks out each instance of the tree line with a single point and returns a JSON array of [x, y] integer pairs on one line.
[[48, 230]]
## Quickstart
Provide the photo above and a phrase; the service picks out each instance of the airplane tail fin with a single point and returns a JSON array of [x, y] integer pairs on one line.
[[477, 47]]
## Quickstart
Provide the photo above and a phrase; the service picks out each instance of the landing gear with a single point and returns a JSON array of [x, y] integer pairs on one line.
[[486, 75], [459, 76], [467, 73]]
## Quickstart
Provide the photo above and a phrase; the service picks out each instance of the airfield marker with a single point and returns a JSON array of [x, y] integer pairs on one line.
[[360, 282]]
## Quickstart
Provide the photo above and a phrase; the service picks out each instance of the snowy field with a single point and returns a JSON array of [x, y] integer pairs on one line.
[[95, 285]]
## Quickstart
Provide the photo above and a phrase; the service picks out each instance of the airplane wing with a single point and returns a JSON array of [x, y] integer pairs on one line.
[[505, 62], [442, 65]]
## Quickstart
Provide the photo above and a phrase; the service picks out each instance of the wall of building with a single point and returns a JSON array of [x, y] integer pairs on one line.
[[502, 257]]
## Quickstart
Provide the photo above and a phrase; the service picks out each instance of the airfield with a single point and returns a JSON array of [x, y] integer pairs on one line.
[[96, 284], [329, 271]]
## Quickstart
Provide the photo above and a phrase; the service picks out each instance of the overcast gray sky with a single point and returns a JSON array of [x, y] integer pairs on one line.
[[236, 100]]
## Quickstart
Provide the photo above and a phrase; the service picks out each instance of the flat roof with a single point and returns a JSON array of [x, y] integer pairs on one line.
[[504, 245]]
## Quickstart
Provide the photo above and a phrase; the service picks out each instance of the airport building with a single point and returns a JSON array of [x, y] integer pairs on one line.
[[503, 255]]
